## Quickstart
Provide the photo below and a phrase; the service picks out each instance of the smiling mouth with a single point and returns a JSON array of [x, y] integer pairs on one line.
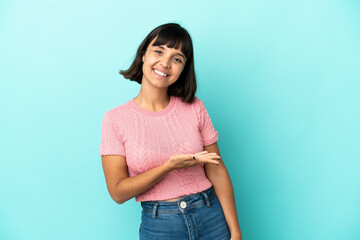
[[159, 74]]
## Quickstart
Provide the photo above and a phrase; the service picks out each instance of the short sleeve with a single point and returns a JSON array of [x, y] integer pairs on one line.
[[111, 139], [206, 128]]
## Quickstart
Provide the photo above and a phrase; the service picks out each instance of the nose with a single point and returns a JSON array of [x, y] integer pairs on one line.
[[165, 61]]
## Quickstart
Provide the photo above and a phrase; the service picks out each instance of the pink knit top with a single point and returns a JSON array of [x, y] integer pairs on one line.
[[147, 139]]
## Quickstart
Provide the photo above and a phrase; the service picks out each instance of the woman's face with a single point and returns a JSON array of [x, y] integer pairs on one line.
[[160, 60]]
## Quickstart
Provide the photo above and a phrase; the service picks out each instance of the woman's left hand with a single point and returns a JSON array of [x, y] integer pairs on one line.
[[236, 236]]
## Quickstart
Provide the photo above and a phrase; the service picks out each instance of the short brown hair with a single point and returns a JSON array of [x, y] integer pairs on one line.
[[171, 35]]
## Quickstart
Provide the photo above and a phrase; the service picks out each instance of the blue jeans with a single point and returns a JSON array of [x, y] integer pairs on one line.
[[193, 217]]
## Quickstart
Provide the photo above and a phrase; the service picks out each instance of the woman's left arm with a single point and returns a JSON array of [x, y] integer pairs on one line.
[[219, 177]]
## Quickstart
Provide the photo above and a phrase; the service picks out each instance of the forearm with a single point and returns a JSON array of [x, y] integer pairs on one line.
[[133, 186], [224, 191]]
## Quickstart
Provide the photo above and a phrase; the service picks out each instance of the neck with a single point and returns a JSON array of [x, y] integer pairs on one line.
[[152, 102]]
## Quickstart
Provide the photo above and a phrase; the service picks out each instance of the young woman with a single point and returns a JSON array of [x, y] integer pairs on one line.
[[161, 147]]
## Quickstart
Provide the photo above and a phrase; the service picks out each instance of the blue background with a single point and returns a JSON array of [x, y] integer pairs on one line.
[[280, 80]]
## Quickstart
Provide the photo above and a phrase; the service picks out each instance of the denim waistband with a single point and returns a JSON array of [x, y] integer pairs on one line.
[[182, 204]]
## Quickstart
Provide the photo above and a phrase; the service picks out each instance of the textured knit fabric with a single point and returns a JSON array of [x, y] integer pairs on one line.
[[148, 139]]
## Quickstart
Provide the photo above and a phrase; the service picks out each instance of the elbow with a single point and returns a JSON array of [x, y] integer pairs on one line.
[[120, 202], [119, 199], [119, 195]]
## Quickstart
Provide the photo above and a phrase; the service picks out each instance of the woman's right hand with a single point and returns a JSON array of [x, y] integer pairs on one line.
[[186, 160]]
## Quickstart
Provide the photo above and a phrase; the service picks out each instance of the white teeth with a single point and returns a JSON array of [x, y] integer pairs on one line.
[[160, 73]]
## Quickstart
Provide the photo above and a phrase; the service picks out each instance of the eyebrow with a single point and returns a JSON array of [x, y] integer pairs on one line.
[[176, 53]]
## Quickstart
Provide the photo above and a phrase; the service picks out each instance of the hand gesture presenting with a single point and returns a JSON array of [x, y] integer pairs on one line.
[[188, 160]]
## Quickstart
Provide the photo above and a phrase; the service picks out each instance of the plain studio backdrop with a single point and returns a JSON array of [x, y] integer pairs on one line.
[[280, 80]]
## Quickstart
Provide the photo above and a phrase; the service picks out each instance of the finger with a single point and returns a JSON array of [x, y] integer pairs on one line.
[[208, 161], [210, 155], [191, 157], [201, 152], [213, 162], [197, 154]]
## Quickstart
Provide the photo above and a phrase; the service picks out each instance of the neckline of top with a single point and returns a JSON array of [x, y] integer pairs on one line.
[[146, 112]]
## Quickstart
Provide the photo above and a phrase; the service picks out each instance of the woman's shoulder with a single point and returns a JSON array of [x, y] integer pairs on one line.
[[196, 100], [118, 111]]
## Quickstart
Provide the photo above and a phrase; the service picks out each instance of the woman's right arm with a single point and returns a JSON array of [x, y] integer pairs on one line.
[[122, 187]]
